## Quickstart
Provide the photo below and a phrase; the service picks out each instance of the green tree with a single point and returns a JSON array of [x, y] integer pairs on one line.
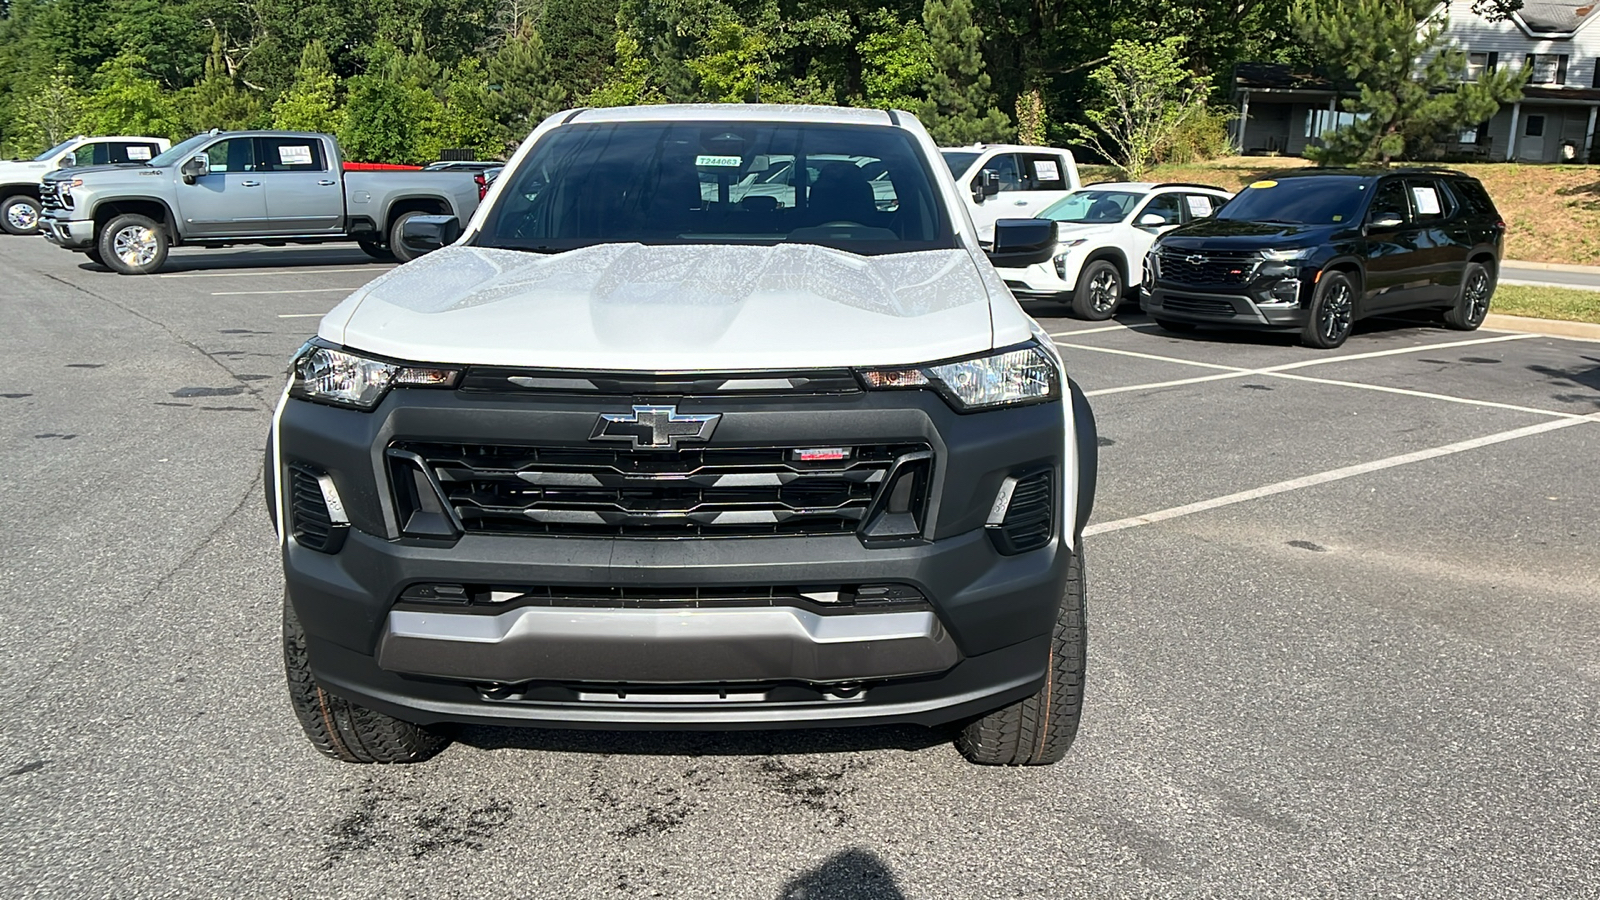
[[736, 63], [384, 121], [218, 101], [1142, 98], [1031, 118], [896, 61], [312, 102], [1413, 89], [51, 113], [126, 100], [522, 93], [464, 118], [960, 108], [628, 82]]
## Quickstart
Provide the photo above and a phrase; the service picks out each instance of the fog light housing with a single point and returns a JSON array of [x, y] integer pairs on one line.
[[1285, 291]]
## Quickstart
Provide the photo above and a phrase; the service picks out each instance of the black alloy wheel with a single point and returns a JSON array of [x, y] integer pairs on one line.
[[1332, 313]]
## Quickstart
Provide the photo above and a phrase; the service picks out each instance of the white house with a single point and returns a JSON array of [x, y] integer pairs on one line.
[[1284, 112]]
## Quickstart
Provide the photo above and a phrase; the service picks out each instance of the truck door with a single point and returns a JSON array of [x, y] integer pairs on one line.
[[304, 194], [228, 200]]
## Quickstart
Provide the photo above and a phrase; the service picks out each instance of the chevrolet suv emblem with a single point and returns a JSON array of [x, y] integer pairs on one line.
[[1195, 259], [654, 426]]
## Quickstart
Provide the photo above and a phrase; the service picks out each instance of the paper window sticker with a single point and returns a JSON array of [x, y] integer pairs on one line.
[[138, 152], [718, 162], [1046, 170], [294, 154], [1427, 200], [1199, 206]]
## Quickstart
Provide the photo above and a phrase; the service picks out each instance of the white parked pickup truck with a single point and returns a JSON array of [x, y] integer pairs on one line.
[[19, 178], [652, 443], [1005, 181]]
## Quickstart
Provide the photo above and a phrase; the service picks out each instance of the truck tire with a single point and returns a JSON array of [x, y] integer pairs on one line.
[[1038, 730], [338, 728], [94, 256], [133, 244], [1099, 291], [19, 214], [1472, 303], [377, 251], [399, 249], [1332, 313]]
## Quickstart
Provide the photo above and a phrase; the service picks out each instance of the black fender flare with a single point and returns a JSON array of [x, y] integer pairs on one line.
[[1087, 437]]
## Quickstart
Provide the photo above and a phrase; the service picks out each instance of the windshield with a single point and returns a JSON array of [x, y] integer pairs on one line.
[[176, 154], [59, 148], [1309, 200], [864, 189], [1092, 207], [959, 161]]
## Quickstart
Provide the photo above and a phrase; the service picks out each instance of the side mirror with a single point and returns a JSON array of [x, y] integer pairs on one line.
[[1152, 220], [1022, 242], [986, 185], [195, 167], [67, 161], [1386, 220], [425, 234]]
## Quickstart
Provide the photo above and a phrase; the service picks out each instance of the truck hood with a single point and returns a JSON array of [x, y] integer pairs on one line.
[[101, 170], [22, 171], [632, 307]]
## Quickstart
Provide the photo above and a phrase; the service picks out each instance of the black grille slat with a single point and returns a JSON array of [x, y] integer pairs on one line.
[[1030, 519], [1214, 268], [310, 522], [1199, 306], [705, 491]]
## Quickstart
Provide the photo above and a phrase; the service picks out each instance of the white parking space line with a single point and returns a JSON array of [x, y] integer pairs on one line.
[[359, 270], [342, 290], [1340, 474], [1137, 355], [1426, 395], [1166, 384], [1396, 351], [1141, 326], [301, 315]]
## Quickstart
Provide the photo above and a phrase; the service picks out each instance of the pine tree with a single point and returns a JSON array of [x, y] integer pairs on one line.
[[960, 108], [311, 103], [523, 93], [217, 101], [1412, 88]]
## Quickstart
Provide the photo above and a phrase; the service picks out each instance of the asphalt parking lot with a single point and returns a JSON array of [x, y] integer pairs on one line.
[[1344, 611]]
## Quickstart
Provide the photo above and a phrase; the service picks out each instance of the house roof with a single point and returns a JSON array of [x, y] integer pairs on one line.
[[1555, 16]]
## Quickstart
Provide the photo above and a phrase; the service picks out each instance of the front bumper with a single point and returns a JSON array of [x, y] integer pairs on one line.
[[980, 641], [1041, 281], [68, 234], [1235, 310]]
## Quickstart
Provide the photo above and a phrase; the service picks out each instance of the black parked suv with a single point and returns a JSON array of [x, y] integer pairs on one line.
[[1314, 250]]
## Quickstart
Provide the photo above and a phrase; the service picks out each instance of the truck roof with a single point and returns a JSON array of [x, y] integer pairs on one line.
[[736, 112]]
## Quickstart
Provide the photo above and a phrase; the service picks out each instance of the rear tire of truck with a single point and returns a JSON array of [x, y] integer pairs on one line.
[[377, 251], [19, 214], [396, 247], [340, 729], [1472, 303], [1099, 292], [133, 245], [1038, 730]]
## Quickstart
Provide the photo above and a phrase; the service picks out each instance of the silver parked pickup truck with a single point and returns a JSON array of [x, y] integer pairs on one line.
[[242, 187]]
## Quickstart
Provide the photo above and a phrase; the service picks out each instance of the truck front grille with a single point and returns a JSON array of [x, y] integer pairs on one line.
[[1207, 267], [707, 491], [51, 197]]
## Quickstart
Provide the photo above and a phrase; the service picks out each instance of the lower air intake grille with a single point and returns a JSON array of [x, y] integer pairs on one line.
[[707, 491], [310, 522], [1030, 519]]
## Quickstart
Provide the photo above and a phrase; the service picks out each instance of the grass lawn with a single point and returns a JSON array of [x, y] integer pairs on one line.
[[1546, 303], [1552, 212]]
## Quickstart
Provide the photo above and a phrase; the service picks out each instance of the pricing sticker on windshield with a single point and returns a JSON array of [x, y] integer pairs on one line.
[[138, 153], [718, 162], [294, 155], [1263, 185]]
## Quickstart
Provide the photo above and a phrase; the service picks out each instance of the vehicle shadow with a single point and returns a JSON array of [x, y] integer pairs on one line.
[[200, 259], [705, 743], [1377, 325], [856, 873], [1582, 375]]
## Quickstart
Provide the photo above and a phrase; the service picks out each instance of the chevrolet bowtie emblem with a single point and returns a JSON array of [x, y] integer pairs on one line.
[[654, 426], [1195, 259]]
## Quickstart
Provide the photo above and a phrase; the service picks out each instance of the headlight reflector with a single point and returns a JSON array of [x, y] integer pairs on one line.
[[1010, 377], [326, 374], [1286, 255]]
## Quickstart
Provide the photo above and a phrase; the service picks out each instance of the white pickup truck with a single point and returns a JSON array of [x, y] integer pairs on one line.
[[19, 178], [1006, 181], [653, 443]]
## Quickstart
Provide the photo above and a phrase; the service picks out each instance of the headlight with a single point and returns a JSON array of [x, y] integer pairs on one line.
[[1286, 255], [1075, 242], [1011, 377], [324, 373]]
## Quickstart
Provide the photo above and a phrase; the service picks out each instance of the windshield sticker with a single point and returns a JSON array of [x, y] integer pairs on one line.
[[1338, 218], [1199, 206], [1427, 200], [294, 155], [1263, 185], [718, 162], [1046, 170], [138, 153]]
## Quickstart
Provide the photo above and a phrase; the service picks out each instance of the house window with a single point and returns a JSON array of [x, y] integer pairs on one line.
[[1321, 121], [1546, 68], [1534, 126], [1479, 63]]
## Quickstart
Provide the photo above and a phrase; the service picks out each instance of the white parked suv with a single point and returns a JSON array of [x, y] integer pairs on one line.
[[19, 179], [1021, 181], [634, 452], [1103, 233]]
